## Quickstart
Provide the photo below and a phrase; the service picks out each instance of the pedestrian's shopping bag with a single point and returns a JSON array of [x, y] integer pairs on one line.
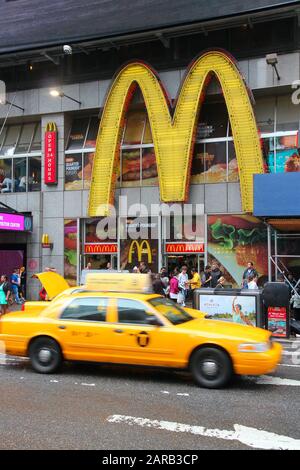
[[180, 298]]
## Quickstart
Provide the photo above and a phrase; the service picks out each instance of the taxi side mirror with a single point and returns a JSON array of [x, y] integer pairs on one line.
[[153, 320]]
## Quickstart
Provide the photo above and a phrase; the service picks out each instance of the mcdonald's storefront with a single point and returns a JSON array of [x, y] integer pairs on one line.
[[199, 152]]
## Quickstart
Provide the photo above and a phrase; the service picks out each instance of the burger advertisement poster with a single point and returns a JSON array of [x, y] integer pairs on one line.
[[234, 241]]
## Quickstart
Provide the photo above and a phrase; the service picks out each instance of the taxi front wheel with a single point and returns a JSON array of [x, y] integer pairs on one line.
[[211, 368], [45, 355]]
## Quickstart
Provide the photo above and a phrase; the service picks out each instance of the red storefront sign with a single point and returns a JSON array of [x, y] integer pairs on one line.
[[277, 321], [50, 169], [184, 247], [100, 248]]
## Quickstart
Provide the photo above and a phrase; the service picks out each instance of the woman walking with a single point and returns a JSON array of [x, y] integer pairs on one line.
[[5, 291]]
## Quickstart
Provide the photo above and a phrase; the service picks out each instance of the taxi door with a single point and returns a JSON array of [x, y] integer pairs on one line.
[[84, 329], [135, 341]]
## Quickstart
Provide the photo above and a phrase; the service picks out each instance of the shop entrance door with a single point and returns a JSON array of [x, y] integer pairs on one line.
[[190, 260]]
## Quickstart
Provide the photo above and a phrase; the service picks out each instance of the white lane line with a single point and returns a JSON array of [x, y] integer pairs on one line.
[[183, 394], [249, 436], [269, 380], [289, 365], [88, 385], [54, 381], [165, 392], [290, 353]]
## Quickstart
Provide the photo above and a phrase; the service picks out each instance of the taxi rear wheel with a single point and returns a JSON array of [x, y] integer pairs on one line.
[[45, 355], [211, 367]]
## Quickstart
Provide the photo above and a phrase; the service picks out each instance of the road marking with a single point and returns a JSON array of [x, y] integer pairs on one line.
[[88, 385], [249, 436], [268, 380], [288, 365], [54, 381], [165, 391], [183, 394]]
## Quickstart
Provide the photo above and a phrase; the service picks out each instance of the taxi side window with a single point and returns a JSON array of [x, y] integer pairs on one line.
[[132, 311], [88, 309]]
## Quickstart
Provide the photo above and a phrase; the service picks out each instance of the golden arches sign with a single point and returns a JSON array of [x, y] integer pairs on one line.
[[173, 136], [142, 247]]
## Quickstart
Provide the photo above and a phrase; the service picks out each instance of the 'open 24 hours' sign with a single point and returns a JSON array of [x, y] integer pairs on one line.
[[50, 168]]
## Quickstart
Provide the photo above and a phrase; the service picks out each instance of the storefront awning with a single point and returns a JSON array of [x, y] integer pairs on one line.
[[285, 225]]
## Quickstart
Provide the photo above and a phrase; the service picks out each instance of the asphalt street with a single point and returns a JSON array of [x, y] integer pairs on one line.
[[91, 406]]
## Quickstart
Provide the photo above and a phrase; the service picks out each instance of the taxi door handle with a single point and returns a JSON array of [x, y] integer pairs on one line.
[[118, 331], [62, 327]]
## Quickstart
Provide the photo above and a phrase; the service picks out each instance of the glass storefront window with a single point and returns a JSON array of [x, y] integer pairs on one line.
[[213, 121], [73, 171], [88, 159], [281, 153], [34, 174], [78, 134], [92, 133], [20, 179], [25, 138], [6, 175], [134, 128], [149, 167], [233, 170], [215, 162], [36, 145], [2, 136], [10, 142], [198, 164], [131, 167], [147, 139]]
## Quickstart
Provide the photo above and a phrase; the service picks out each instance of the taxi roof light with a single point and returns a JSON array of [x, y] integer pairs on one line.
[[119, 282]]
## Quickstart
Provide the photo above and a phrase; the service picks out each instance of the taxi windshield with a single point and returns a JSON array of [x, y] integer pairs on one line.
[[170, 310]]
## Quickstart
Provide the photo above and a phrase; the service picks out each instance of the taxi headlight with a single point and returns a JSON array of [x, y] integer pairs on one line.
[[254, 347]]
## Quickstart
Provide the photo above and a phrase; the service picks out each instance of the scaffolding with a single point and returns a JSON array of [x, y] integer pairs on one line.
[[276, 264]]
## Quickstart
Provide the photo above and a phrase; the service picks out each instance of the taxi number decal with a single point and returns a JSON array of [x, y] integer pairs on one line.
[[143, 339]]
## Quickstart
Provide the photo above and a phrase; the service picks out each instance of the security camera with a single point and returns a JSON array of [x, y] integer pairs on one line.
[[271, 59], [67, 49]]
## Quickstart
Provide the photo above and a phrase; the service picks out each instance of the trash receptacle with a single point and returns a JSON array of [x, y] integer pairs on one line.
[[276, 302]]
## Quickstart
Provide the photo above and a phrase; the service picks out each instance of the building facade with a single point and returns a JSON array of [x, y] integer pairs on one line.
[[48, 144]]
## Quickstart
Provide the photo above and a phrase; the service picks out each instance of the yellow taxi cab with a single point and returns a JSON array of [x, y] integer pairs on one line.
[[114, 319]]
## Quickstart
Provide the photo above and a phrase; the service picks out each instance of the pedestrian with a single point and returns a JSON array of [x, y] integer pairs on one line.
[[158, 287], [183, 280], [295, 304], [15, 283], [252, 282], [143, 268], [221, 283], [135, 270], [22, 287], [195, 282], [174, 289], [108, 267], [249, 271], [215, 274], [89, 266], [206, 277], [165, 280], [5, 291]]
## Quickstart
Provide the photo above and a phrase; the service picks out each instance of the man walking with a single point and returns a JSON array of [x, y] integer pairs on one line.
[[250, 271]]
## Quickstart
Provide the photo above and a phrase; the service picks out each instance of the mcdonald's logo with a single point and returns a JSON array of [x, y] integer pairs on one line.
[[107, 248], [142, 247], [173, 131], [51, 127]]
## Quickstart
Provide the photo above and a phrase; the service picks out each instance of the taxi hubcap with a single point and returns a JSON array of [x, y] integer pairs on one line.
[[44, 355], [210, 368]]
